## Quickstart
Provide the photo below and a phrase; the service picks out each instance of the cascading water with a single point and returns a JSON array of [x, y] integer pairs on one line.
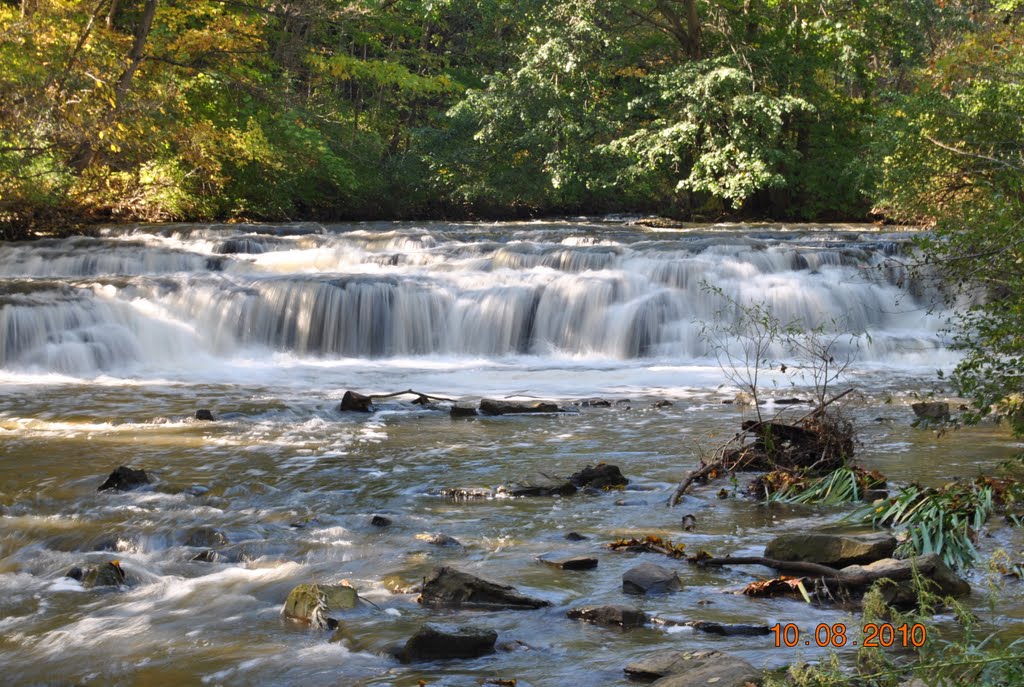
[[143, 298]]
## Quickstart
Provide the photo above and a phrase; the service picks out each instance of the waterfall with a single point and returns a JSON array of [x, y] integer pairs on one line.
[[143, 297]]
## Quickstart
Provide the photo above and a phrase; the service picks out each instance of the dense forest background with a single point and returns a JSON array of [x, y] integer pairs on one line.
[[331, 109]]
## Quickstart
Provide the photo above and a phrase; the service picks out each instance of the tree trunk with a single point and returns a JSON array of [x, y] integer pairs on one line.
[[136, 53]]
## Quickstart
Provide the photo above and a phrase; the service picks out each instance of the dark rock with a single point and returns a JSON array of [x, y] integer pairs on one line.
[[789, 401], [441, 641], [463, 410], [728, 629], [466, 493], [207, 556], [596, 403], [931, 410], [236, 553], [723, 493], [694, 669], [662, 404], [490, 406], [540, 485], [453, 588], [599, 476], [205, 414], [124, 478], [311, 603], [833, 550], [206, 537], [75, 573], [197, 490], [380, 521], [630, 502], [356, 402], [616, 615], [576, 536], [109, 574], [438, 539], [689, 522], [648, 578], [568, 562]]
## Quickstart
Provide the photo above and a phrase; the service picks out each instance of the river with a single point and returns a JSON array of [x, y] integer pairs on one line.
[[109, 344]]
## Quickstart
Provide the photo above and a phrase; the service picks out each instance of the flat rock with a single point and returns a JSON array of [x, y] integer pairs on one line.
[[435, 641], [615, 615], [662, 663], [649, 578], [728, 629], [541, 484], [312, 603], [576, 536], [124, 478], [599, 476], [449, 587], [568, 562], [490, 406], [595, 403], [466, 493], [724, 672], [833, 550]]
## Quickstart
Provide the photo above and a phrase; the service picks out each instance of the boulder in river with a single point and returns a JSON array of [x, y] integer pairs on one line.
[[205, 414], [491, 406], [615, 615], [541, 484], [438, 539], [564, 561], [693, 669], [311, 603], [449, 587], [599, 476], [833, 550], [356, 402], [930, 567], [728, 629], [649, 578], [595, 403], [435, 641], [463, 410], [380, 521], [206, 537], [109, 574], [931, 410], [124, 478]]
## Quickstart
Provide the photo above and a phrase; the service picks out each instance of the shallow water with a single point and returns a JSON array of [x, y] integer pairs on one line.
[[111, 344]]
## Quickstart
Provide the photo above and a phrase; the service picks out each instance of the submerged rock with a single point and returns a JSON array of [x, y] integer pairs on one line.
[[206, 537], [435, 641], [453, 588], [694, 669], [466, 493], [615, 615], [833, 550], [205, 414], [728, 629], [595, 403], [648, 578], [541, 484], [568, 562], [124, 478], [599, 476], [380, 521], [311, 603], [662, 404], [576, 536], [490, 406]]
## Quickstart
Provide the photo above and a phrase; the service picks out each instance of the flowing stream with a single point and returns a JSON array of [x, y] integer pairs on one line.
[[109, 344]]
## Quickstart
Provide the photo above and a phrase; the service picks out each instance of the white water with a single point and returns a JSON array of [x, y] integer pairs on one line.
[[182, 304]]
